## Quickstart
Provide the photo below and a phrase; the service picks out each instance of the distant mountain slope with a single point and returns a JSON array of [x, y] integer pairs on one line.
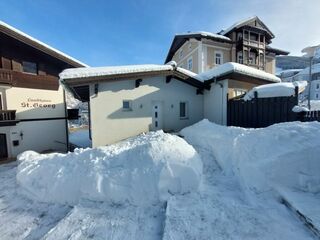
[[292, 62]]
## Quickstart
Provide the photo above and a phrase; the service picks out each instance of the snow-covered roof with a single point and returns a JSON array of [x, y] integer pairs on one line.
[[314, 69], [114, 70], [205, 34], [21, 36], [240, 23], [283, 89], [188, 73], [231, 67]]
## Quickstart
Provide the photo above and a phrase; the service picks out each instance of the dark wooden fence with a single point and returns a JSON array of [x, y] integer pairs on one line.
[[263, 112]]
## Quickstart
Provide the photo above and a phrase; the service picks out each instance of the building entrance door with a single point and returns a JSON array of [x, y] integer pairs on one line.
[[3, 146], [157, 118]]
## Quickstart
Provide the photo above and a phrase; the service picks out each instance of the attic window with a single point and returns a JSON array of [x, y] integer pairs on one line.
[[29, 67]]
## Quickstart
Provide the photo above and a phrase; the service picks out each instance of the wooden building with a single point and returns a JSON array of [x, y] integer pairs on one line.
[[32, 104]]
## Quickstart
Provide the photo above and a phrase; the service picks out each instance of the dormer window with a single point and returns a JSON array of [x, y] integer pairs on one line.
[[29, 67]]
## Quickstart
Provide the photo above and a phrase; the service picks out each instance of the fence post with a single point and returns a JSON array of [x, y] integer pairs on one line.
[[257, 123]]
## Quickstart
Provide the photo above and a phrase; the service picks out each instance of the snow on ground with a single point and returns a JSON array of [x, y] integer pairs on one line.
[[141, 171], [258, 157], [80, 138], [220, 209]]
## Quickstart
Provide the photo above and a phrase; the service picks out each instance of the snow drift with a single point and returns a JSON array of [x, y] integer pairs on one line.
[[141, 171], [282, 155]]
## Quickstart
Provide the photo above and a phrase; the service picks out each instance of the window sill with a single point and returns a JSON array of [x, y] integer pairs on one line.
[[184, 118], [127, 110]]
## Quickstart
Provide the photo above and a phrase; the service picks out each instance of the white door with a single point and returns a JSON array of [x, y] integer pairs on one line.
[[157, 117]]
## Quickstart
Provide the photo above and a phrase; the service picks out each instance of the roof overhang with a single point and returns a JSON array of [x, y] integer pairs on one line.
[[238, 77], [22, 37], [276, 51], [80, 86]]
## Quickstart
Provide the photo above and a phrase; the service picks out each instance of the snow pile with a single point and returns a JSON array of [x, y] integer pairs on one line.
[[282, 155], [284, 89], [231, 67], [140, 171], [298, 109]]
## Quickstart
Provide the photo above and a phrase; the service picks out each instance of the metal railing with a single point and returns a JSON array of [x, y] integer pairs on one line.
[[7, 115]]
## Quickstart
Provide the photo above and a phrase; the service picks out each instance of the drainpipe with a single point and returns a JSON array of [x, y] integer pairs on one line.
[[222, 98], [310, 78]]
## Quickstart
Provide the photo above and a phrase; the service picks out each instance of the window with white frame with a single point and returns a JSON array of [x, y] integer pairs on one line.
[[127, 105], [183, 110], [252, 58], [240, 57], [190, 64], [218, 58], [317, 86], [317, 95]]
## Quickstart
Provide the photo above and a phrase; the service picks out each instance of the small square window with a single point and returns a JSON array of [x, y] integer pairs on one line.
[[126, 105], [29, 67], [183, 110]]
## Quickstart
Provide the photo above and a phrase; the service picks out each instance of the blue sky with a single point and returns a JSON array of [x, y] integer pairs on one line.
[[102, 33]]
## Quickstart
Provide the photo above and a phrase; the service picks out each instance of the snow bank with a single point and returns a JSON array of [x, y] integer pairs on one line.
[[142, 170], [285, 154], [284, 89]]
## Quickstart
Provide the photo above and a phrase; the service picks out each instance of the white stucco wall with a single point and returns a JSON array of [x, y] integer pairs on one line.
[[215, 103], [30, 105], [111, 124]]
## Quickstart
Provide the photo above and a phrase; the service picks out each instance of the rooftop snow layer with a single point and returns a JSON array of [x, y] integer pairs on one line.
[[283, 89], [188, 73], [114, 70], [237, 24], [205, 34], [231, 67], [314, 69], [5, 25]]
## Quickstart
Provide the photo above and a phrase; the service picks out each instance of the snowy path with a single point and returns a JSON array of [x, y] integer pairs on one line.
[[222, 211]]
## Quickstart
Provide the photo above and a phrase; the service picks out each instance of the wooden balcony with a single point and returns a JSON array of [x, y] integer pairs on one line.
[[252, 43], [26, 80]]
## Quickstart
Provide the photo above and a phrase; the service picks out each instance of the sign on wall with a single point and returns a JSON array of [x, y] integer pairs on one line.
[[38, 103]]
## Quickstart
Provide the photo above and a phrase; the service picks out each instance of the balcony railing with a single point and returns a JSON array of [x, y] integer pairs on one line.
[[253, 43], [5, 76], [25, 80], [7, 115]]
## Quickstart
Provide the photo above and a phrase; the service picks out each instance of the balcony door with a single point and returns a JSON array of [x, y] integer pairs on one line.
[[3, 146]]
